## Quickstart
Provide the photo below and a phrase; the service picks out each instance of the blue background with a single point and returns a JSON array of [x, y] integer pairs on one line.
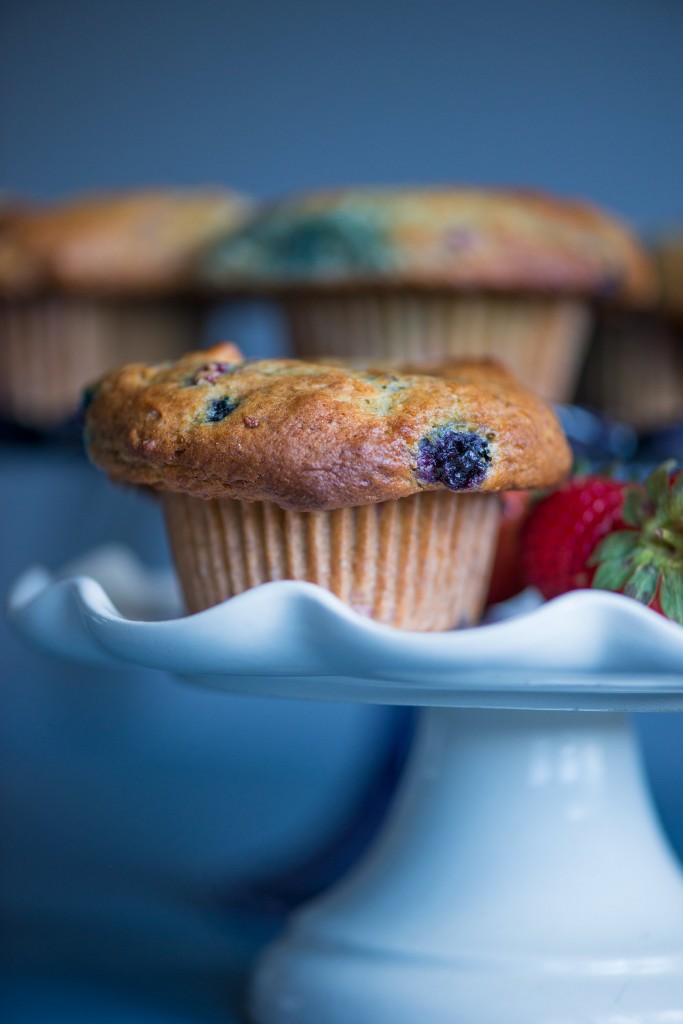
[[132, 807], [580, 96]]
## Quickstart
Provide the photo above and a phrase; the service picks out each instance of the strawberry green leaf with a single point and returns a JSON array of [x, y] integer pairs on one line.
[[657, 483], [636, 507], [612, 575], [617, 545], [676, 498], [671, 594], [642, 584]]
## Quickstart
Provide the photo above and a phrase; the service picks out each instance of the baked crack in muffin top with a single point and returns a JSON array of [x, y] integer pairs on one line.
[[310, 436]]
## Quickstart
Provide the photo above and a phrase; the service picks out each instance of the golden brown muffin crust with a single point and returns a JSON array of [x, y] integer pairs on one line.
[[131, 243], [468, 238], [309, 436]]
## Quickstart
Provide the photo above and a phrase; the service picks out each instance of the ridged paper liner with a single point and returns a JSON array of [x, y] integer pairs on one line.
[[541, 339], [50, 348], [634, 370], [419, 563]]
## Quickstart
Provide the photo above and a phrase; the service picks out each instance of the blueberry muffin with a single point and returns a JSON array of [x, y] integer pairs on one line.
[[423, 274], [634, 370], [668, 255], [381, 487], [90, 283]]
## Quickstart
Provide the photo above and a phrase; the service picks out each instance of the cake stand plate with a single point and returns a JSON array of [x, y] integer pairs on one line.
[[521, 876]]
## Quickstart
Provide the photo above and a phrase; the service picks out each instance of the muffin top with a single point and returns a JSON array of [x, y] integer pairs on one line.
[[134, 243], [450, 238], [311, 436], [668, 254]]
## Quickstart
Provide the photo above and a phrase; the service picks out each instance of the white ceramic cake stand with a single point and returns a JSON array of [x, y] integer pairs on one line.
[[521, 877]]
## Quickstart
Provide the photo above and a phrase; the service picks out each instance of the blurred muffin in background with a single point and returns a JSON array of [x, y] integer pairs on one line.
[[95, 281], [668, 255], [634, 369], [422, 274]]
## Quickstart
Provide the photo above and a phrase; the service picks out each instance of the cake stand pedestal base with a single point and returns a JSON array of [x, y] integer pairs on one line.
[[521, 877]]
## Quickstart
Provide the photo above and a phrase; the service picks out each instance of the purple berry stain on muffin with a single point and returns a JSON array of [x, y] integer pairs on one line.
[[457, 459], [458, 239], [219, 409], [211, 372]]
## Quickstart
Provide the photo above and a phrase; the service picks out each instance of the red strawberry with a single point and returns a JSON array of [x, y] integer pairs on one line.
[[597, 532], [563, 530], [507, 578]]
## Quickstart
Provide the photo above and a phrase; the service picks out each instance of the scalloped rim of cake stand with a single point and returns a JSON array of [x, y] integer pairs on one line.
[[585, 650]]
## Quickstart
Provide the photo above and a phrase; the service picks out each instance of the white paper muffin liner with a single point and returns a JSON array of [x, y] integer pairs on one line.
[[420, 563], [51, 348], [634, 371], [542, 340]]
